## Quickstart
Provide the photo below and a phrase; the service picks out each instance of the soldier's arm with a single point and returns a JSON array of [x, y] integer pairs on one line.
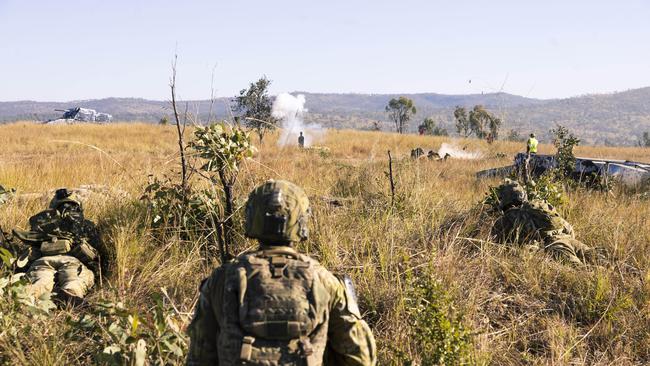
[[350, 341], [204, 328]]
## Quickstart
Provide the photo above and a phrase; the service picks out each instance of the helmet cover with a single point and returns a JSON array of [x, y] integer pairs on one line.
[[64, 200], [511, 193], [277, 212]]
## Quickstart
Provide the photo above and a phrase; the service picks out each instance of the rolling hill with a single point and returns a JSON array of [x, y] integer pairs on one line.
[[607, 119]]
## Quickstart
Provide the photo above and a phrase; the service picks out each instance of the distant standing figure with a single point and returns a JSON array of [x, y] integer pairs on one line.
[[301, 140], [531, 145], [531, 149]]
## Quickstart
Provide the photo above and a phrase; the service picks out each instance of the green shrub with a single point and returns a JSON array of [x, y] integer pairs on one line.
[[547, 189], [120, 336], [564, 141], [436, 325]]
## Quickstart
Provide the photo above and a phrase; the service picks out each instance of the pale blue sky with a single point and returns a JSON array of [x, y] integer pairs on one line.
[[74, 49]]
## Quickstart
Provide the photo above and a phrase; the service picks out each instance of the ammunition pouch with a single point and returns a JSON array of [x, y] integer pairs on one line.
[[84, 252], [55, 247]]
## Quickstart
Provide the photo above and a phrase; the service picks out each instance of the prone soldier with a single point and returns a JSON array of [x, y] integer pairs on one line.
[[58, 250], [537, 223]]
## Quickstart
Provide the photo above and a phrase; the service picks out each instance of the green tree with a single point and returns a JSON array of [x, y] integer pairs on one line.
[[400, 111], [564, 141], [483, 123], [462, 122], [429, 127], [254, 104], [223, 148]]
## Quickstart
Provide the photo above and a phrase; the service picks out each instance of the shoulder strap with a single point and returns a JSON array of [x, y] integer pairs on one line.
[[279, 251]]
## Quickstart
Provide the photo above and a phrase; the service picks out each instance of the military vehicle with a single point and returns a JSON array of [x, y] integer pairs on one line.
[[78, 114], [632, 174]]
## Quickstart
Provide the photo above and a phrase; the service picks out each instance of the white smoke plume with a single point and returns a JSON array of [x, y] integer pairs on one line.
[[290, 111], [458, 153]]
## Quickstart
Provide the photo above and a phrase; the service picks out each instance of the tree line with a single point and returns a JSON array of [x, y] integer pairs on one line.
[[478, 121], [253, 107]]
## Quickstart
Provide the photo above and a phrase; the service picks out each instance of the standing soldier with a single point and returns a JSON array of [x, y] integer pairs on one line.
[[301, 140], [531, 149], [275, 306], [531, 145]]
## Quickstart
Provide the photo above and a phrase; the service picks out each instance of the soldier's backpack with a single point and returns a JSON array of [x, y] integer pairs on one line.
[[43, 226], [546, 219], [45, 222], [272, 303]]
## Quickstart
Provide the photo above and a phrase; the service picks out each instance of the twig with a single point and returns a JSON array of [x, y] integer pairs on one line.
[[212, 98], [164, 292], [271, 125], [392, 182], [179, 131]]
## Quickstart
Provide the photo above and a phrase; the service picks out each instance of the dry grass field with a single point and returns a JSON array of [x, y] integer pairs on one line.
[[431, 283]]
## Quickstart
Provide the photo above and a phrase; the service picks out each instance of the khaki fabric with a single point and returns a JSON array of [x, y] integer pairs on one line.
[[60, 273], [571, 249], [334, 330], [535, 220]]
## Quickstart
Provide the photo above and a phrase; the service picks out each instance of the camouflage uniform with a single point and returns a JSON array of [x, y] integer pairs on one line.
[[417, 153], [536, 223], [60, 249], [275, 306]]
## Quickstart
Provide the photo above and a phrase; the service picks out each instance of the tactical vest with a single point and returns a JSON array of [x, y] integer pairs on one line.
[[50, 230], [46, 222], [272, 304], [547, 220], [532, 145]]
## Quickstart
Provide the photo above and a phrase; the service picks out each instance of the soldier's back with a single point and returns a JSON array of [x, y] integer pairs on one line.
[[274, 307], [547, 219]]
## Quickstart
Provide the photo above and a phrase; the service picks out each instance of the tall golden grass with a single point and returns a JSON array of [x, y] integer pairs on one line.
[[520, 307]]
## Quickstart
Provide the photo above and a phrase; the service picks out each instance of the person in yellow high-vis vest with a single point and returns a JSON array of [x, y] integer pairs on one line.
[[531, 146]]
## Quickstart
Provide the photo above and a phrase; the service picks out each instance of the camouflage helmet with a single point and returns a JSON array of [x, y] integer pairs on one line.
[[277, 213], [511, 193], [63, 197]]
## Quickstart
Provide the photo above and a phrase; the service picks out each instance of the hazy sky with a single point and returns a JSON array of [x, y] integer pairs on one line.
[[66, 49]]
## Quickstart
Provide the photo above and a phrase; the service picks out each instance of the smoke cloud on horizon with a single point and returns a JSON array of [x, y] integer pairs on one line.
[[290, 111], [458, 153]]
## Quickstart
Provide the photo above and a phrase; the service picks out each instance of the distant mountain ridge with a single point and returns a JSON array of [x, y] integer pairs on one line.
[[616, 118]]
